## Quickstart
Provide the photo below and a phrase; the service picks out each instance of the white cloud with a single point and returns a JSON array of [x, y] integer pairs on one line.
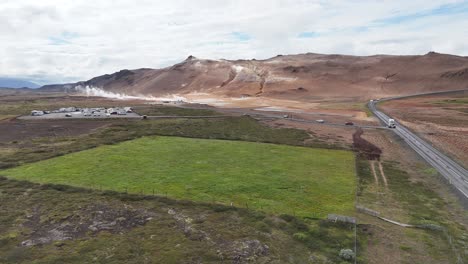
[[75, 40]]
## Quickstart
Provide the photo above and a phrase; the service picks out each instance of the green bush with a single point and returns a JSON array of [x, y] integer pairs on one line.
[[300, 236]]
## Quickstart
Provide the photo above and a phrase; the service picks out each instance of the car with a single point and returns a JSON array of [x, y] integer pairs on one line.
[[68, 115], [349, 123], [320, 121]]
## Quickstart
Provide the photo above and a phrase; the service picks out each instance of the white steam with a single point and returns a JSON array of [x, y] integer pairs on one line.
[[237, 68], [94, 91]]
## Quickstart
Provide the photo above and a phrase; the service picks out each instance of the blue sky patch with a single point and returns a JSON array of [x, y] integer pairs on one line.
[[63, 39], [241, 36], [443, 10], [309, 34]]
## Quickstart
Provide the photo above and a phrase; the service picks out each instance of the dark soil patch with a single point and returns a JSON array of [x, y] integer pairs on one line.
[[19, 130], [364, 148]]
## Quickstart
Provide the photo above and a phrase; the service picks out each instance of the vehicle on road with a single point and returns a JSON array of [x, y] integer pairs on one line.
[[37, 113], [68, 115], [451, 170], [391, 123], [349, 123]]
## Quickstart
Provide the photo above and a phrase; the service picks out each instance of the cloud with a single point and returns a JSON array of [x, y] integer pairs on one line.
[[49, 41]]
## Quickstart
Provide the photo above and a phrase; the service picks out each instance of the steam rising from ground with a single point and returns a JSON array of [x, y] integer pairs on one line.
[[94, 91], [194, 97]]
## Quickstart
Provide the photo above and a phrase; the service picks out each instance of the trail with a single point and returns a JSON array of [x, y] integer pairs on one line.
[[374, 172], [383, 174]]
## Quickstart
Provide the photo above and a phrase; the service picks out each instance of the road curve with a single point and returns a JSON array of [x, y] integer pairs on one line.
[[455, 174]]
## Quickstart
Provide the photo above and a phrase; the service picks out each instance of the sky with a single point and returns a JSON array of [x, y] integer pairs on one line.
[[59, 41]]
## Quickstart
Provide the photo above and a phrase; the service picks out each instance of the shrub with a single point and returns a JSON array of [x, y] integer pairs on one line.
[[347, 254], [300, 236]]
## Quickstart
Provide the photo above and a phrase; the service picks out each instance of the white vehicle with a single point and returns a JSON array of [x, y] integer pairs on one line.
[[320, 121], [37, 113], [68, 115], [391, 123]]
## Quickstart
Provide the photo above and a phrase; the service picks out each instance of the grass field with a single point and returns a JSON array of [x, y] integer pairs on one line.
[[274, 178]]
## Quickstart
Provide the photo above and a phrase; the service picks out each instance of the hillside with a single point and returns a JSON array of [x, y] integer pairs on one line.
[[17, 83], [296, 77]]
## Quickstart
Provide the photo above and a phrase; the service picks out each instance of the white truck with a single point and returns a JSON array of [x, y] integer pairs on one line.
[[391, 123]]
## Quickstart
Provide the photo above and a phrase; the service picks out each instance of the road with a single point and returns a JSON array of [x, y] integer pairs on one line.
[[456, 175]]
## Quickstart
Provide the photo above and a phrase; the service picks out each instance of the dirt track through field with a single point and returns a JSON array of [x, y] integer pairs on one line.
[[374, 172], [384, 178]]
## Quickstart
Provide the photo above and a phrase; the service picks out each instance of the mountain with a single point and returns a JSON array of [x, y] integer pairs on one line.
[[297, 77], [17, 83]]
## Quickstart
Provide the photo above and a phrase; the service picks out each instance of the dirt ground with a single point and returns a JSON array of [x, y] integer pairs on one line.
[[340, 111], [440, 119], [17, 130]]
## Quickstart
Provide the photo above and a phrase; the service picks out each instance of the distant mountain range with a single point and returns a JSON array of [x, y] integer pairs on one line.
[[300, 77], [17, 83]]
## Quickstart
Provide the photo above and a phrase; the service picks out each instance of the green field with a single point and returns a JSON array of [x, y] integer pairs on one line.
[[273, 178]]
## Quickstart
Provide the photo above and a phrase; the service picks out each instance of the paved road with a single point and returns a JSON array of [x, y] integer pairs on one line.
[[452, 171]]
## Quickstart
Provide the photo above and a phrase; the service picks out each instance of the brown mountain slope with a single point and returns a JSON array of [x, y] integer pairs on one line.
[[295, 77]]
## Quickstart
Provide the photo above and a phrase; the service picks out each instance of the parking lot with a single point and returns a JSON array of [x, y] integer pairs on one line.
[[82, 113], [74, 115]]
